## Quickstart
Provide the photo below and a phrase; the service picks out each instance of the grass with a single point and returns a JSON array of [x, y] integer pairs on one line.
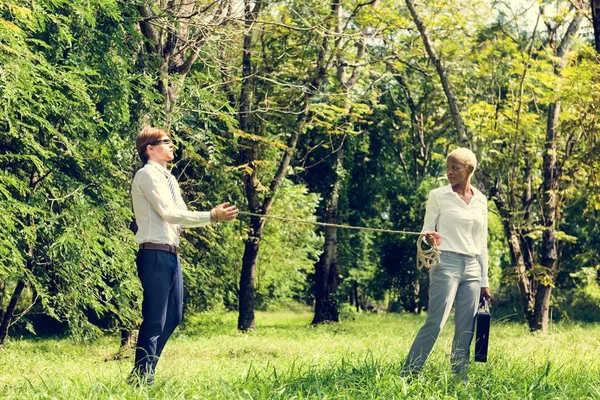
[[359, 358]]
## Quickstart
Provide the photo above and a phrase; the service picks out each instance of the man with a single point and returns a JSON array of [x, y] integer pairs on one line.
[[160, 214]]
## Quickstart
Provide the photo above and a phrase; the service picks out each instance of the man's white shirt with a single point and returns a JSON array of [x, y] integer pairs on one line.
[[463, 226], [159, 213]]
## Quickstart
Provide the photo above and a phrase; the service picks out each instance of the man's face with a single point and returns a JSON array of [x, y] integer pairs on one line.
[[161, 150]]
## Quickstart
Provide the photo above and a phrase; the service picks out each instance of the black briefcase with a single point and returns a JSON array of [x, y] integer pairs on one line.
[[482, 331]]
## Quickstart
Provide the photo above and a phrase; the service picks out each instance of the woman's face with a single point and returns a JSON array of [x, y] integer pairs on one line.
[[457, 172]]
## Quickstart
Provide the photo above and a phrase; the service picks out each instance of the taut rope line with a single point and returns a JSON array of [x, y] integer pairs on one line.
[[427, 258]]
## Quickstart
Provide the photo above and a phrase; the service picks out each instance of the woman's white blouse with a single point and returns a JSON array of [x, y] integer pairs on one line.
[[463, 226]]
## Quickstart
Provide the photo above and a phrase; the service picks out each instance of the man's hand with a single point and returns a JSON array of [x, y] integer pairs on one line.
[[224, 212], [485, 293], [433, 237]]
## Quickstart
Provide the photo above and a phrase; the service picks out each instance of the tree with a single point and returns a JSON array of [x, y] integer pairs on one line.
[[311, 85], [326, 278], [174, 32], [437, 62], [552, 170], [526, 189], [66, 239]]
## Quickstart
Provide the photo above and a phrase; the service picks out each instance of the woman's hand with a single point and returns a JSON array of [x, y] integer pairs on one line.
[[485, 293], [433, 237]]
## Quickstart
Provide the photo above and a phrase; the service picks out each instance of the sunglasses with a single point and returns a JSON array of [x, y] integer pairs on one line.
[[162, 141]]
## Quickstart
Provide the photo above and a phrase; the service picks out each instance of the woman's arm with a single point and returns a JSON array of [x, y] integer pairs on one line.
[[432, 213], [483, 257]]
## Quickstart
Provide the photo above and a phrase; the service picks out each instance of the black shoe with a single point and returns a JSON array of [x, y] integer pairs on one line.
[[138, 378], [409, 373]]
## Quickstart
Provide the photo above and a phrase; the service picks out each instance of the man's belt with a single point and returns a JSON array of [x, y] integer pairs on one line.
[[159, 246]]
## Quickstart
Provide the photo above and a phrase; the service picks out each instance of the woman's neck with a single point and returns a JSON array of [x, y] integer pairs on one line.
[[463, 188]]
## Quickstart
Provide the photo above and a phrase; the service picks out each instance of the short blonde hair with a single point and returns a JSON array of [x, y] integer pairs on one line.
[[147, 135], [464, 156]]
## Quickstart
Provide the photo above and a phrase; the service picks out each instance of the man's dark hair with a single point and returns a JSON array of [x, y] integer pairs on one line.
[[147, 136]]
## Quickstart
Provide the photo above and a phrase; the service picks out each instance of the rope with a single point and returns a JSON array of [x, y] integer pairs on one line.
[[427, 258]]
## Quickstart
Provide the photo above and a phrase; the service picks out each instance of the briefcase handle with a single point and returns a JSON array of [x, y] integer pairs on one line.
[[484, 305]]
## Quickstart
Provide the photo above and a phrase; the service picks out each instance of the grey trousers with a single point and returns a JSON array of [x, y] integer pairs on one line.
[[455, 280]]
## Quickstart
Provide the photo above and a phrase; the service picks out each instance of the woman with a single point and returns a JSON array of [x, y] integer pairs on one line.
[[456, 221]]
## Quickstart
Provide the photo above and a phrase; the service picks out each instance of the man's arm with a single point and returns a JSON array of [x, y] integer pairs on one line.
[[159, 196]]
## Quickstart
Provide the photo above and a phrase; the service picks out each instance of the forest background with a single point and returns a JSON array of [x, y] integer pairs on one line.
[[338, 112]]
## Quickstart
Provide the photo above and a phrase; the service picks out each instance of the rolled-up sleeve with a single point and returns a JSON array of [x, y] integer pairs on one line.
[[432, 213]]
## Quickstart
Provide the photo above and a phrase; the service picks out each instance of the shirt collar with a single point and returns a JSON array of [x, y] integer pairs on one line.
[[157, 165], [448, 189]]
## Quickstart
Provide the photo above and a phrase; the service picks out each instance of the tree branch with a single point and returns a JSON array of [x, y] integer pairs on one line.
[[437, 62]]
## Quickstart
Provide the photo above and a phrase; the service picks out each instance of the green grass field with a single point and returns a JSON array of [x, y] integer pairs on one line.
[[359, 358]]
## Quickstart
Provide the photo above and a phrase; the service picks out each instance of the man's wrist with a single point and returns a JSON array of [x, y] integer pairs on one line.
[[213, 216]]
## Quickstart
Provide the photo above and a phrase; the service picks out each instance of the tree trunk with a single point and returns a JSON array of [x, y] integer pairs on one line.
[[523, 281], [459, 124], [251, 246], [355, 295], [541, 313], [527, 243], [2, 296], [550, 188], [34, 181], [246, 300], [14, 300], [420, 160], [249, 155], [326, 271], [526, 257], [595, 4], [125, 337], [515, 244], [8, 314], [246, 320], [549, 256]]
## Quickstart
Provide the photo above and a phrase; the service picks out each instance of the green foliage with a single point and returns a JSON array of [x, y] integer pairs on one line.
[[77, 82], [517, 81], [289, 250], [582, 302], [60, 156]]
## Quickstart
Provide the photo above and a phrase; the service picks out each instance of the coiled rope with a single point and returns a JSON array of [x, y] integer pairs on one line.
[[427, 258]]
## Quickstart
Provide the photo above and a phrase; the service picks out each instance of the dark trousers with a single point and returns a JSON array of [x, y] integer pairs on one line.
[[162, 306]]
